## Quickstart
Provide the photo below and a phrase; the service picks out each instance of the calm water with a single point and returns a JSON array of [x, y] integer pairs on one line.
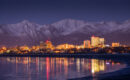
[[38, 68]]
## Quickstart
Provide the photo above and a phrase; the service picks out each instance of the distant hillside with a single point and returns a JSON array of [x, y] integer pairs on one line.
[[67, 30]]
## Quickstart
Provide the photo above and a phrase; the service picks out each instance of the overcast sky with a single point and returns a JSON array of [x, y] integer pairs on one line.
[[49, 11]]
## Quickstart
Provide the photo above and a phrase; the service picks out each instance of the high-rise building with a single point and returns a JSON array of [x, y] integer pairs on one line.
[[49, 45], [115, 44], [95, 41], [87, 44], [102, 41]]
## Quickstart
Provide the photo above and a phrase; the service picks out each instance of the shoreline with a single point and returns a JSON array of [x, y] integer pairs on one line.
[[119, 57], [122, 74]]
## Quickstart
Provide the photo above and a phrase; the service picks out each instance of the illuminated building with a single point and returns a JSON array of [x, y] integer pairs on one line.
[[46, 45], [35, 48], [95, 41], [87, 44], [65, 46], [41, 44], [26, 48], [115, 44], [4, 48], [79, 46], [49, 45], [102, 41]]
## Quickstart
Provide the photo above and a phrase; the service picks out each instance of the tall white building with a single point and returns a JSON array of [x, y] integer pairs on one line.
[[97, 41]]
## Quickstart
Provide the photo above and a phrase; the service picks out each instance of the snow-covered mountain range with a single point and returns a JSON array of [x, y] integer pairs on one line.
[[67, 30]]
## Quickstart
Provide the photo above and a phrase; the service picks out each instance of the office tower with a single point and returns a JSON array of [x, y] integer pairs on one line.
[[87, 44], [49, 44], [95, 41], [102, 42]]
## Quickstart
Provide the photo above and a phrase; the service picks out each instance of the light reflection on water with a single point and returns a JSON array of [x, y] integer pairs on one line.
[[38, 68]]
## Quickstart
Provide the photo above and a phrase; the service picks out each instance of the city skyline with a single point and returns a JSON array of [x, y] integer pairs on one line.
[[94, 45], [94, 42]]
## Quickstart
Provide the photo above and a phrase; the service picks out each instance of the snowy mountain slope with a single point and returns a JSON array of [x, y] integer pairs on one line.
[[67, 30]]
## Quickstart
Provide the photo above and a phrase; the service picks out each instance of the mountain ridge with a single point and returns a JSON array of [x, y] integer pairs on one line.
[[67, 30]]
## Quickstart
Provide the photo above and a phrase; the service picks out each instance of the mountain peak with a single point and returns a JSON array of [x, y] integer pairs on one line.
[[25, 21], [69, 19]]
